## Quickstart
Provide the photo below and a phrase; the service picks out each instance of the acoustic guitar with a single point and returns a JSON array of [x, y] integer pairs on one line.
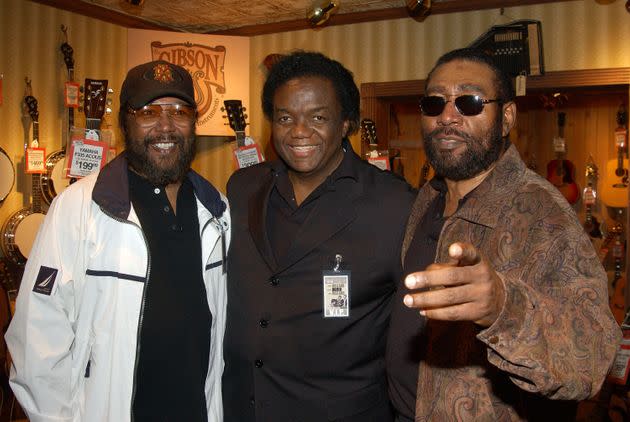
[[615, 183], [561, 172], [54, 181], [237, 119], [20, 230]]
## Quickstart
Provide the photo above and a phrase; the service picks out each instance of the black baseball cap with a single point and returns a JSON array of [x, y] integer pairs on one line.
[[149, 81]]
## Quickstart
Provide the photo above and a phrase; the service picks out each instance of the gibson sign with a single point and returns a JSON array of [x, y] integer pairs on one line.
[[219, 66]]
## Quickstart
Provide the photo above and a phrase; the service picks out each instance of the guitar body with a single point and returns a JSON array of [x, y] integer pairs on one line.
[[561, 174], [614, 191]]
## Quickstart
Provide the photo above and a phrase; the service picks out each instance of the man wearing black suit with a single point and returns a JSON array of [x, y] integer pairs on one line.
[[314, 226]]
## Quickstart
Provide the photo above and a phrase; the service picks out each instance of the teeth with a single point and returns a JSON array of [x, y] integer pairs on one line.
[[164, 145], [304, 148]]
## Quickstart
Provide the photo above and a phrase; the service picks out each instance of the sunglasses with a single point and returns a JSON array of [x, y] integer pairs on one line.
[[150, 114], [466, 105]]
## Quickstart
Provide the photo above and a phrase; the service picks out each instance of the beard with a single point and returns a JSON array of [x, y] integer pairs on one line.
[[479, 154], [161, 172]]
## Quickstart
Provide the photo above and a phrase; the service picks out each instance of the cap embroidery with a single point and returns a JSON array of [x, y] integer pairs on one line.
[[163, 73]]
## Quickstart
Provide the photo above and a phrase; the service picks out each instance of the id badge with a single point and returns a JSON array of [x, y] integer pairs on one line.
[[336, 293]]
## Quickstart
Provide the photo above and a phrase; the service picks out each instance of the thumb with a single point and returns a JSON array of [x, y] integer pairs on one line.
[[463, 254]]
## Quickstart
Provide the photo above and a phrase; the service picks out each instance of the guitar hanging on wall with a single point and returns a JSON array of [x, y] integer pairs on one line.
[[374, 156], [615, 183], [561, 172], [247, 152], [89, 153], [54, 181], [589, 198], [20, 230]]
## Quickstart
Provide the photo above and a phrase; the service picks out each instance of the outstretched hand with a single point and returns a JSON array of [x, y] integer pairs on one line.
[[466, 288]]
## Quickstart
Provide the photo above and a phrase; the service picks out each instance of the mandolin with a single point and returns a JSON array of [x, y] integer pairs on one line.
[[561, 172], [589, 198], [54, 181], [615, 183]]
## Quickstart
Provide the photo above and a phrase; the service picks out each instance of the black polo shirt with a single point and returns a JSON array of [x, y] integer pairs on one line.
[[405, 342], [174, 342], [284, 216]]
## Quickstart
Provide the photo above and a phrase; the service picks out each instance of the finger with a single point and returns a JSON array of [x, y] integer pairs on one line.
[[461, 312], [440, 298], [464, 254]]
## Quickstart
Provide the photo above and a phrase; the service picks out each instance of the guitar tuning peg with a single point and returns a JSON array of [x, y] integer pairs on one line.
[[110, 90], [108, 110], [244, 116], [244, 108], [109, 101], [223, 110]]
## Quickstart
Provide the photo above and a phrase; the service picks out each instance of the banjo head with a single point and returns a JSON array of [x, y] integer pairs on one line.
[[54, 181], [18, 234], [7, 175]]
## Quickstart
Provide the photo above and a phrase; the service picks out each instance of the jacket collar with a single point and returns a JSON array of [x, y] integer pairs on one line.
[[111, 191]]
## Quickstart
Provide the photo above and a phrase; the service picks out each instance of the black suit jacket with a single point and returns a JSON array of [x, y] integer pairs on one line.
[[283, 360]]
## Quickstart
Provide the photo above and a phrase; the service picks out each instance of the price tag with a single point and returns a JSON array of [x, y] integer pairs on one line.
[[559, 144], [247, 156], [35, 160], [589, 196], [86, 156], [620, 137], [621, 365], [380, 162], [71, 94]]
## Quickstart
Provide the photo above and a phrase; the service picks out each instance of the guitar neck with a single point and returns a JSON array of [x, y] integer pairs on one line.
[[35, 177]]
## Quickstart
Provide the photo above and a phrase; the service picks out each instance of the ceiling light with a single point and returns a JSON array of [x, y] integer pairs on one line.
[[319, 14], [418, 9]]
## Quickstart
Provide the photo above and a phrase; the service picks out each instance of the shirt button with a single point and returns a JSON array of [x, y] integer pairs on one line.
[[167, 208], [175, 228], [494, 340], [156, 191], [258, 363], [252, 401], [264, 323], [274, 281]]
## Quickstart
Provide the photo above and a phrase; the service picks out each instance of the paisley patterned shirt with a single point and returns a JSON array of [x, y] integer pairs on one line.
[[555, 337]]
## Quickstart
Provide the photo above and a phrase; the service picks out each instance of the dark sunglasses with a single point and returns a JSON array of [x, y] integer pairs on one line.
[[466, 105]]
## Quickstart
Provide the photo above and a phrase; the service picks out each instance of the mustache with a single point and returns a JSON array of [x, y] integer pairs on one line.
[[447, 131]]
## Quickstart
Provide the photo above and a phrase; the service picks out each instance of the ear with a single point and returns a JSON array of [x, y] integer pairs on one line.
[[509, 117], [346, 128]]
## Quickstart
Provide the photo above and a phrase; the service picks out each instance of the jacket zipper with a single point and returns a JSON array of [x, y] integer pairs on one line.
[[141, 317]]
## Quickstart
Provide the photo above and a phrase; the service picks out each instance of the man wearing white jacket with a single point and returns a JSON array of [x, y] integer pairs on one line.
[[121, 310]]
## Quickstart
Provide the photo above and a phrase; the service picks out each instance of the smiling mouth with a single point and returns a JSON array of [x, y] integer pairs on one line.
[[163, 146]]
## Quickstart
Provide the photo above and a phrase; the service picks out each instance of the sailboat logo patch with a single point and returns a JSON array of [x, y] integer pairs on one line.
[[45, 280]]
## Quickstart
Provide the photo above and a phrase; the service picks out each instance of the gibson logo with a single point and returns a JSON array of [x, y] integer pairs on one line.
[[205, 65]]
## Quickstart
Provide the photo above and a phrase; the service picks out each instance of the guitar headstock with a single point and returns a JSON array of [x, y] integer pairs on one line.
[[95, 98], [66, 50], [368, 131], [31, 102], [237, 119]]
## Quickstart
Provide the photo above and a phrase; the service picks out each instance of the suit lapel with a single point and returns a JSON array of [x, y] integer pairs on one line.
[[258, 206], [333, 211]]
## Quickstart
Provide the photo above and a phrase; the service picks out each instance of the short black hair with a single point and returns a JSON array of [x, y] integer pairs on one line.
[[306, 63], [505, 90]]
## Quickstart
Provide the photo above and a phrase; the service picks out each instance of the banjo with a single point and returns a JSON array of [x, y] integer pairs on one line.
[[7, 175], [19, 231], [54, 180]]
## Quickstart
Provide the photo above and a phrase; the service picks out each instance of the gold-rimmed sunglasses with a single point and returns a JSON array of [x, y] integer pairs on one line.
[[150, 114]]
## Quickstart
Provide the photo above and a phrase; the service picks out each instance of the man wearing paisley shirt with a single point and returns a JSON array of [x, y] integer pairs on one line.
[[513, 310]]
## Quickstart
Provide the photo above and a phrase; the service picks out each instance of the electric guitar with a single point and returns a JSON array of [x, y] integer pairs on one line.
[[615, 184], [561, 172]]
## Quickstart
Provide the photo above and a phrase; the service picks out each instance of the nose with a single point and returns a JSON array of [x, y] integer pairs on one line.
[[165, 123], [301, 129], [450, 115]]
